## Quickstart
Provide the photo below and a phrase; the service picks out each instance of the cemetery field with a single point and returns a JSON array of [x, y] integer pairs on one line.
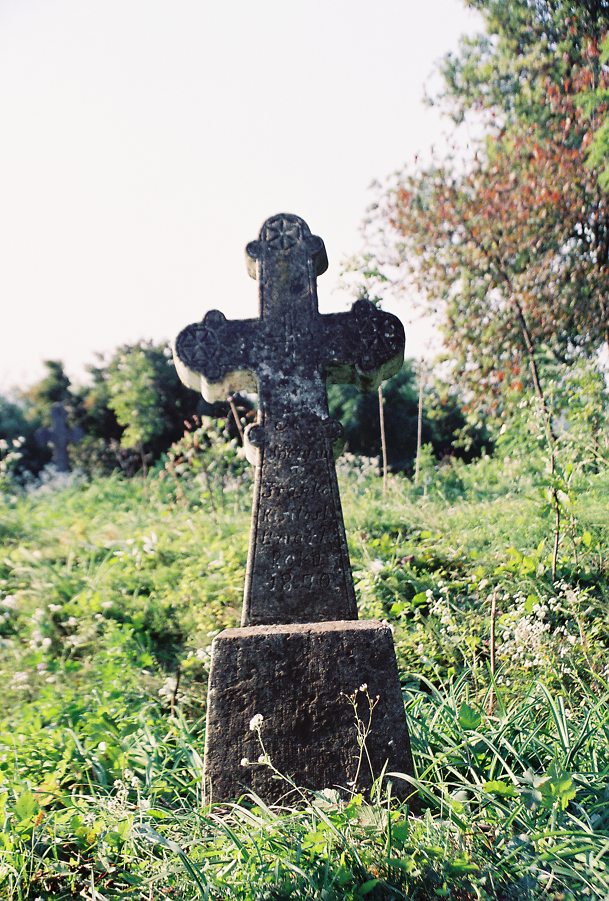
[[111, 591]]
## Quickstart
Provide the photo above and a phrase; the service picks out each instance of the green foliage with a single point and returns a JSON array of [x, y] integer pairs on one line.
[[10, 456], [140, 385], [359, 415], [207, 463], [133, 397], [31, 409], [506, 72], [594, 99], [444, 425], [20, 452], [131, 410], [13, 422], [109, 600], [510, 246]]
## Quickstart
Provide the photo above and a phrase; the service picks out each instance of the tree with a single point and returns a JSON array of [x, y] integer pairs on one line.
[[360, 416], [140, 388], [35, 404], [13, 422], [17, 430], [594, 99], [512, 246], [516, 251], [134, 399], [442, 420], [503, 75]]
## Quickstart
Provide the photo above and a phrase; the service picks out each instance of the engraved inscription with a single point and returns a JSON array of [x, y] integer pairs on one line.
[[297, 514], [304, 491], [322, 536], [297, 581], [298, 564], [296, 453]]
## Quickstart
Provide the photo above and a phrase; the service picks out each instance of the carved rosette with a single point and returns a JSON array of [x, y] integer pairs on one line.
[[380, 336]]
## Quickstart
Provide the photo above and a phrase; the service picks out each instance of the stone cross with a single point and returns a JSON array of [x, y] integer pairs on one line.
[[301, 652], [298, 567], [59, 436]]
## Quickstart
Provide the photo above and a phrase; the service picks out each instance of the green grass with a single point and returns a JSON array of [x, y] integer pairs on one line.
[[110, 594]]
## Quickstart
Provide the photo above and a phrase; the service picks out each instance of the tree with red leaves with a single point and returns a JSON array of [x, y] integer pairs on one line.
[[514, 251], [513, 248]]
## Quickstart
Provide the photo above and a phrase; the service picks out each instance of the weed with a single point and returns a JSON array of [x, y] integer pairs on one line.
[[110, 598]]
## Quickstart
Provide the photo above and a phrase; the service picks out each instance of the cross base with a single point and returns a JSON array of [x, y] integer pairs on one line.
[[300, 678]]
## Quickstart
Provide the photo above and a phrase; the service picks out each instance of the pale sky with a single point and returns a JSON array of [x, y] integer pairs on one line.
[[144, 142]]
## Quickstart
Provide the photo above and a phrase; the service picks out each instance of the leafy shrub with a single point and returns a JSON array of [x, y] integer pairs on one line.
[[206, 464]]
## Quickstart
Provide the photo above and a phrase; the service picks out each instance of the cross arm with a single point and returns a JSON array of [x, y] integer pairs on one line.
[[364, 346], [217, 356], [43, 436]]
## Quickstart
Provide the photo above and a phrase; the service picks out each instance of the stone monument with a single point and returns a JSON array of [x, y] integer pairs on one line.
[[59, 436], [300, 653]]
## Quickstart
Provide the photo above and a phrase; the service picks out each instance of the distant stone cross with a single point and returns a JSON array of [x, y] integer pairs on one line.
[[298, 567], [59, 436]]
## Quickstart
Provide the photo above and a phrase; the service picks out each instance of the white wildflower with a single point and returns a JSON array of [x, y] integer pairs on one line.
[[256, 721], [167, 690], [19, 680]]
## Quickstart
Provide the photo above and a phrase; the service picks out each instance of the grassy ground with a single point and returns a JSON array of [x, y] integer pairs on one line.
[[110, 594]]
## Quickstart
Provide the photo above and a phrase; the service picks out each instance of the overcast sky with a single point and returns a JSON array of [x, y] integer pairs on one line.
[[144, 142]]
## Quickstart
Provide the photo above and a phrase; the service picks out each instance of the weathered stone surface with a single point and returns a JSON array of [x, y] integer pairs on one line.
[[59, 436], [298, 568], [298, 565], [293, 676], [300, 652]]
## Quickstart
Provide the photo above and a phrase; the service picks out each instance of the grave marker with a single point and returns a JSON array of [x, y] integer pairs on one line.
[[299, 646], [59, 436]]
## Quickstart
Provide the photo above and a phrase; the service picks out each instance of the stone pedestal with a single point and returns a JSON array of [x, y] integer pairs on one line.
[[299, 679]]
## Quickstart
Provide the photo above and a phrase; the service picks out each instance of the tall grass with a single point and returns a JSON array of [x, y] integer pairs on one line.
[[110, 597]]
